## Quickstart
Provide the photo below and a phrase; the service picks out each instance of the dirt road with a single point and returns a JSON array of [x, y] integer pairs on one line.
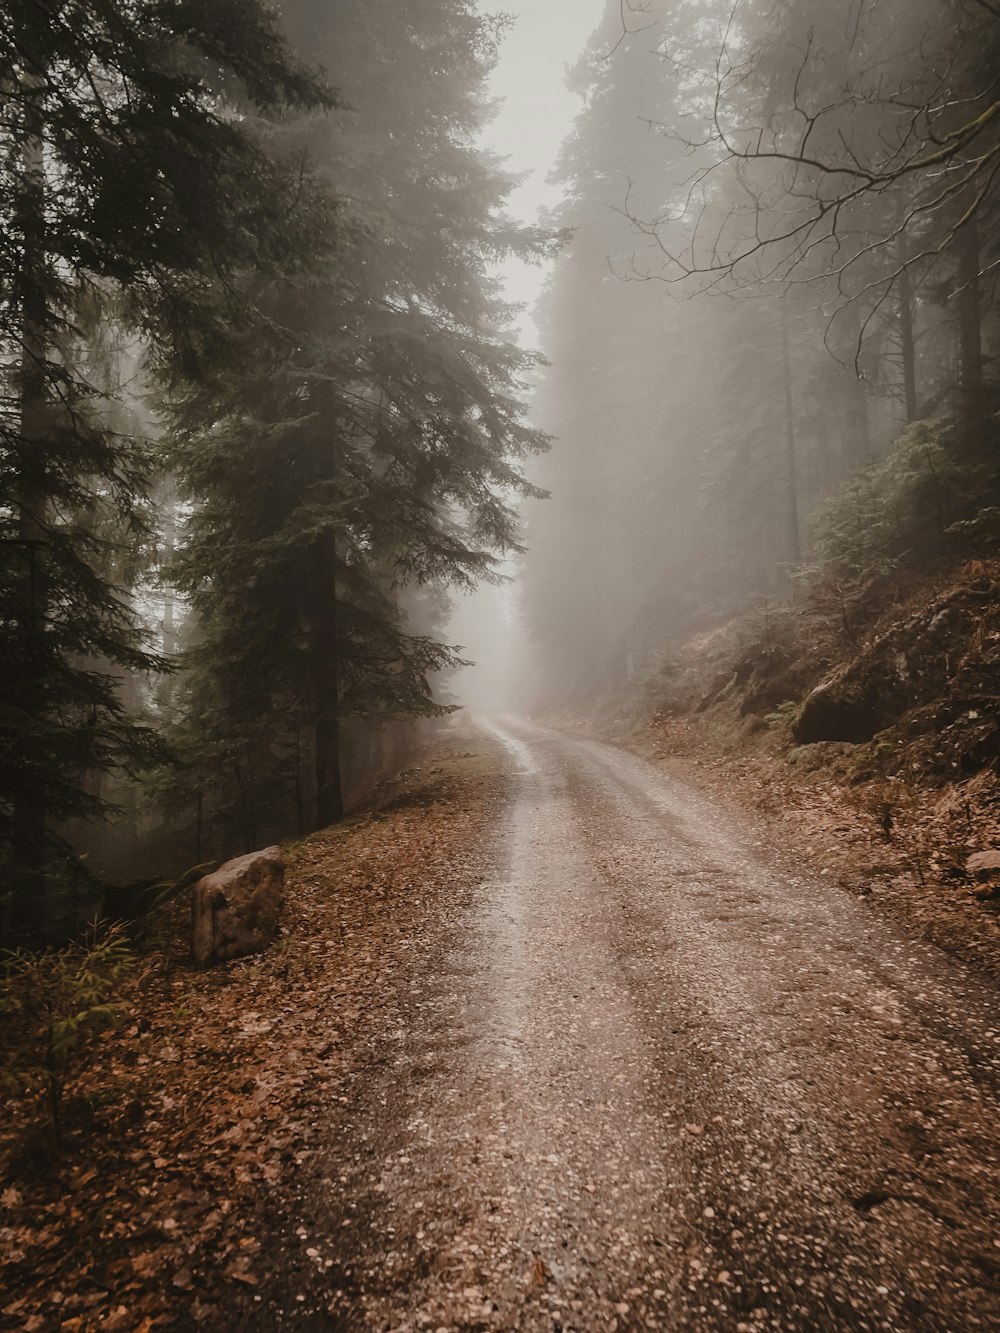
[[650, 1080]]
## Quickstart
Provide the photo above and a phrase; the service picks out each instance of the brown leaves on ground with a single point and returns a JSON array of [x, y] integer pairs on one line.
[[211, 1094]]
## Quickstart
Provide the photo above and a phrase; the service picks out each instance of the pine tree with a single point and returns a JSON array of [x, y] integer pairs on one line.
[[375, 439], [128, 195]]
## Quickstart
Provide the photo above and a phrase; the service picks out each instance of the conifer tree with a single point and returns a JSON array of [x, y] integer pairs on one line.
[[128, 194], [377, 437]]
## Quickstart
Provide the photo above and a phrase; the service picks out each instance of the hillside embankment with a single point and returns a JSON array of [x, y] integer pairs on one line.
[[868, 743]]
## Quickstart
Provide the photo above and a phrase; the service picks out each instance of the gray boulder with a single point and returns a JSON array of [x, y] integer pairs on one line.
[[235, 910]]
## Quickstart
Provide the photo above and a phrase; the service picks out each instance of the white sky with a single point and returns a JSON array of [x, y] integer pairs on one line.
[[537, 111], [535, 116]]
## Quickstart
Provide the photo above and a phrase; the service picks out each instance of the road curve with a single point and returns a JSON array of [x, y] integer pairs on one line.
[[660, 1083]]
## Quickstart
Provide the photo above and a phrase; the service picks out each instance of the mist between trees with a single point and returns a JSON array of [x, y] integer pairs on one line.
[[773, 336], [259, 413], [262, 408]]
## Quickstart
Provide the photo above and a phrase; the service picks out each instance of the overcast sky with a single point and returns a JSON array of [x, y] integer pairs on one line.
[[537, 110]]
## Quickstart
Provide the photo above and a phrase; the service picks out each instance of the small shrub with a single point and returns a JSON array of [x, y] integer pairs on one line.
[[767, 629], [784, 715], [54, 1005]]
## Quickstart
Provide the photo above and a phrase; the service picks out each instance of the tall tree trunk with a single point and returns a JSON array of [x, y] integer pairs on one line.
[[128, 864], [791, 468], [904, 293], [827, 470], [30, 816], [169, 595], [970, 324], [329, 793], [857, 434]]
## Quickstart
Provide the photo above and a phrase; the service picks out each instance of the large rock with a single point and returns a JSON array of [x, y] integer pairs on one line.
[[922, 658], [235, 910], [984, 865], [843, 708]]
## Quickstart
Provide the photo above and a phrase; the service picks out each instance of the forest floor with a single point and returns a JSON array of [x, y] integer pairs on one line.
[[551, 1040], [202, 1115]]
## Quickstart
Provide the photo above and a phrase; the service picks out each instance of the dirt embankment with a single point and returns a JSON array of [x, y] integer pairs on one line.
[[872, 757], [199, 1120]]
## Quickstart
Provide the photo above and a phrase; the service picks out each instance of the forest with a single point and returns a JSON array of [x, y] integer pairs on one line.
[[634, 967], [772, 342], [263, 410], [259, 414]]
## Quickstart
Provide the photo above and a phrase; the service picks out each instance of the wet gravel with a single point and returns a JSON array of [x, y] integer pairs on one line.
[[640, 1077]]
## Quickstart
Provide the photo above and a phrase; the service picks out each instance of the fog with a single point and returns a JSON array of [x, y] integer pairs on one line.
[[763, 286], [642, 319], [534, 112], [623, 374]]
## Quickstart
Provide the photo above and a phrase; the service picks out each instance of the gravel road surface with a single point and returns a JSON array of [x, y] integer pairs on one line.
[[656, 1080]]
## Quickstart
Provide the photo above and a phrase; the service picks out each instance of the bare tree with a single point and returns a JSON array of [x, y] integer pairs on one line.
[[849, 157]]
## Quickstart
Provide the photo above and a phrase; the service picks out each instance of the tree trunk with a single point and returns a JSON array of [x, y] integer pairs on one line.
[[970, 328], [907, 345], [169, 640], [329, 794], [858, 438], [29, 869], [791, 470], [827, 470], [300, 809]]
